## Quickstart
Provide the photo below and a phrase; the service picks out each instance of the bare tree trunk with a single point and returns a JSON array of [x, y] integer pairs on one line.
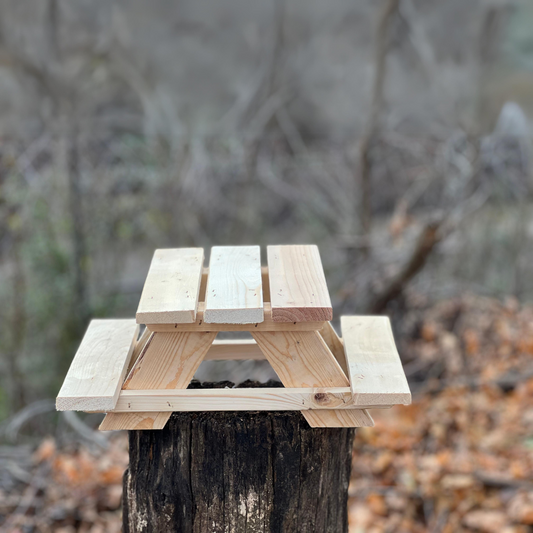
[[372, 129], [79, 246], [238, 472]]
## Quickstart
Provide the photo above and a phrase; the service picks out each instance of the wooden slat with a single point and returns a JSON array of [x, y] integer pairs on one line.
[[172, 286], [234, 350], [335, 345], [139, 347], [298, 290], [340, 418], [264, 279], [374, 366], [267, 325], [97, 371], [260, 399], [302, 359], [168, 361], [133, 421], [234, 293]]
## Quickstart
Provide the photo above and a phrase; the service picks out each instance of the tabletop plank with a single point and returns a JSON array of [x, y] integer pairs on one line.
[[234, 293], [172, 286], [298, 289], [97, 371], [374, 366]]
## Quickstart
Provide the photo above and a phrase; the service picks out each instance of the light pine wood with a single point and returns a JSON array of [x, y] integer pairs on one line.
[[118, 421], [298, 289], [267, 325], [374, 366], [172, 287], [234, 293], [335, 345], [339, 418], [260, 399], [303, 359], [139, 346], [97, 371], [168, 361], [264, 279], [234, 349]]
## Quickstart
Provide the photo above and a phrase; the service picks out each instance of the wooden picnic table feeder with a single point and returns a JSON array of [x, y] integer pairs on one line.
[[287, 309]]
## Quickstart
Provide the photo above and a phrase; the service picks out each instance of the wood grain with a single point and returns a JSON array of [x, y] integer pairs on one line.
[[172, 287], [238, 399], [302, 359], [95, 376], [374, 366], [121, 421], [267, 325], [168, 361], [335, 345], [298, 289], [234, 349], [340, 418], [234, 293], [139, 346]]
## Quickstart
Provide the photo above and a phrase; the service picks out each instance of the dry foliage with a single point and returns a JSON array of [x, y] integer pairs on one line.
[[69, 491], [459, 459]]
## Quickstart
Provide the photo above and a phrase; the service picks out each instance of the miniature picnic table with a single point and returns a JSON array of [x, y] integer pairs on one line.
[[287, 309]]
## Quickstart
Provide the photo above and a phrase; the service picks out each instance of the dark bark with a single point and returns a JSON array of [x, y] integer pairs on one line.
[[238, 472]]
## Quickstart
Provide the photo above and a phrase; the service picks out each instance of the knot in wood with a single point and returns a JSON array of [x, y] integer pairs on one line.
[[321, 397]]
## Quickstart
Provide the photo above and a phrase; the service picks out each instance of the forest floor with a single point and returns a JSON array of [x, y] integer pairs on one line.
[[460, 458]]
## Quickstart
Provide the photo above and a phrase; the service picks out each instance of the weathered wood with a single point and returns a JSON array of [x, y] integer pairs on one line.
[[238, 472], [298, 289], [374, 365], [97, 371], [234, 293], [172, 287]]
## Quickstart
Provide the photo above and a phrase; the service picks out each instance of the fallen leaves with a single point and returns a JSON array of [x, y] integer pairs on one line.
[[460, 459], [70, 491]]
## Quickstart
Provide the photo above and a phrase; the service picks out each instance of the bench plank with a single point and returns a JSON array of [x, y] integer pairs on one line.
[[97, 371], [234, 293], [172, 286], [374, 366], [298, 289]]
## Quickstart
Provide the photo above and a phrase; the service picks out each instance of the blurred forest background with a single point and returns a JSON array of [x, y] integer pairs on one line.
[[395, 134]]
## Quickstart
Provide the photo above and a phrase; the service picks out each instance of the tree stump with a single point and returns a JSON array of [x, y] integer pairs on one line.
[[209, 472]]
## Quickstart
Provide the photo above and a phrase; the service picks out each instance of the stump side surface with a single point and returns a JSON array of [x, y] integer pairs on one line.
[[238, 472]]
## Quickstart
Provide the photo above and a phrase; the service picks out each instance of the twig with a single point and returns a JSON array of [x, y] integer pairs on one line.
[[368, 141], [13, 426], [84, 430], [428, 239]]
